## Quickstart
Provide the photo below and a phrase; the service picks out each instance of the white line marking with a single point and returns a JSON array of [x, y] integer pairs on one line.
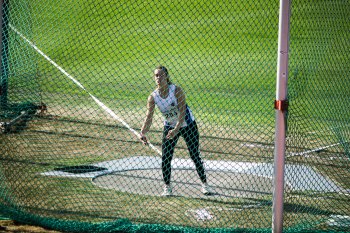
[[257, 145], [313, 150], [102, 105]]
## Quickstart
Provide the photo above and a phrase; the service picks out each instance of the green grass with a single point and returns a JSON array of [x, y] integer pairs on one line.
[[223, 55], [217, 52]]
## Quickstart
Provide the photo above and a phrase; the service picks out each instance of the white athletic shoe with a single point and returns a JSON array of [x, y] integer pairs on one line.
[[168, 191], [207, 190]]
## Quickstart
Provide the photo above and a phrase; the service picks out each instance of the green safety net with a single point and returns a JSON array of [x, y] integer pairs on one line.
[[79, 79]]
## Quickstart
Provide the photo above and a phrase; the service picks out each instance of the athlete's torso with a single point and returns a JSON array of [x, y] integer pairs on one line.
[[169, 108]]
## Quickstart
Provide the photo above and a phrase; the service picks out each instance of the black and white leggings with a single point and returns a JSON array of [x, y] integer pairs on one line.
[[191, 135]]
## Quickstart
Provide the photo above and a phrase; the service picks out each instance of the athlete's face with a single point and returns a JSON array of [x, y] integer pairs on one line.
[[160, 77]]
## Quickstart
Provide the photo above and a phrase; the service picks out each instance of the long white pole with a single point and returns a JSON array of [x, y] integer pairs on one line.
[[281, 105]]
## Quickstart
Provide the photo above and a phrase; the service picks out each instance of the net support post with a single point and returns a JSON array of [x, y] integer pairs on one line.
[[4, 4], [281, 105]]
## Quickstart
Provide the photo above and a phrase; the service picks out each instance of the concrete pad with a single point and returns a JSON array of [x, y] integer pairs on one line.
[[185, 183], [142, 175]]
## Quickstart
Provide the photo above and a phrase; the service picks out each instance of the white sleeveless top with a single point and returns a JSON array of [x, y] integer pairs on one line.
[[169, 108]]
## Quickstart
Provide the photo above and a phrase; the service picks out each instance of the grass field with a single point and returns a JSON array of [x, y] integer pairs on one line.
[[222, 54]]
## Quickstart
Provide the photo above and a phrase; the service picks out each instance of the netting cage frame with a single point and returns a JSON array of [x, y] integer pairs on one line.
[[21, 114]]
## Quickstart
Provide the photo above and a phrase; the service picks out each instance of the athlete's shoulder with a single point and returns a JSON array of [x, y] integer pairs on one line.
[[175, 88], [152, 96], [154, 93], [179, 91], [172, 87]]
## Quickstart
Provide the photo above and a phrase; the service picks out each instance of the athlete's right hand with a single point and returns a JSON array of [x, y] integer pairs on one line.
[[143, 139]]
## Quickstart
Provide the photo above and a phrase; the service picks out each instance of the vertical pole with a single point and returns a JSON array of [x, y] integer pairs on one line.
[[2, 91], [281, 105], [4, 53]]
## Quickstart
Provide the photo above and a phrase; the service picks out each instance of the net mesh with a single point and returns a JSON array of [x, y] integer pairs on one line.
[[76, 82]]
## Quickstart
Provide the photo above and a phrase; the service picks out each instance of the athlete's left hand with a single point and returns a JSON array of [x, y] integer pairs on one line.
[[143, 139]]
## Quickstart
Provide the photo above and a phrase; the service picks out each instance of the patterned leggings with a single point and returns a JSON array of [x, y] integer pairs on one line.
[[191, 136]]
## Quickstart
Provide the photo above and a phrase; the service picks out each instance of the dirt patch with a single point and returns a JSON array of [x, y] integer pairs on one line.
[[13, 226]]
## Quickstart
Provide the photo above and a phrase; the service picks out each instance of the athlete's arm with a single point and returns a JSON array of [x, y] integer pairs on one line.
[[148, 120]]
